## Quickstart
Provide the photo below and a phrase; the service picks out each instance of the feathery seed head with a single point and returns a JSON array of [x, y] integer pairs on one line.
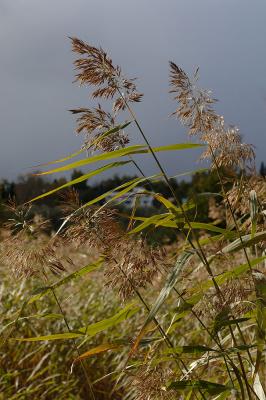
[[96, 68], [97, 229], [195, 111], [151, 384], [95, 122], [136, 265], [238, 197], [27, 247]]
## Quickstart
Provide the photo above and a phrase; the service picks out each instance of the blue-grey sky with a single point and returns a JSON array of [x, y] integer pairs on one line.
[[225, 38]]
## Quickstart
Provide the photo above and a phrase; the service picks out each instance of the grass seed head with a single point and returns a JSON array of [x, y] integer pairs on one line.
[[151, 384], [97, 229], [95, 122], [133, 265], [196, 111], [96, 68]]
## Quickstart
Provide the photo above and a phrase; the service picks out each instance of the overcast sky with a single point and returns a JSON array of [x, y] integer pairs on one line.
[[225, 38]]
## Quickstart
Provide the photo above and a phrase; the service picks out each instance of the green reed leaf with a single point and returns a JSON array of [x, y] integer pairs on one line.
[[164, 293], [40, 292], [100, 326], [102, 348], [234, 273], [178, 146], [206, 386], [98, 139], [82, 178], [90, 330], [56, 336], [259, 280], [126, 185], [63, 159], [247, 241], [81, 272], [157, 220], [253, 205], [189, 350], [130, 150], [121, 193]]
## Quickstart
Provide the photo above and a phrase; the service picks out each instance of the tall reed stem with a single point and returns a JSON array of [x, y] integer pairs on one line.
[[199, 250], [157, 324], [91, 392]]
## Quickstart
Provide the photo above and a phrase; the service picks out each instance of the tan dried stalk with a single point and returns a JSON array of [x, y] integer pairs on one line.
[[225, 147]]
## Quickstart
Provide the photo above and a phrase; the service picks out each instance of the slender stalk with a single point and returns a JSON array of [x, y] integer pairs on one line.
[[231, 212], [193, 312], [238, 232], [217, 341], [199, 249], [91, 393], [157, 324]]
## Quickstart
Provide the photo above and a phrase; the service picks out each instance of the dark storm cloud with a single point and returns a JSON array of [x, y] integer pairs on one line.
[[225, 38]]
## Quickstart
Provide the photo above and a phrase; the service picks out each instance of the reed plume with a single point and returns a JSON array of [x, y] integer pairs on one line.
[[150, 384], [133, 264], [130, 263], [196, 112], [28, 248], [96, 68], [95, 123]]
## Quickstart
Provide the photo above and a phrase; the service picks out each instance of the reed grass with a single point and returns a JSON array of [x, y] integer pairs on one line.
[[184, 321]]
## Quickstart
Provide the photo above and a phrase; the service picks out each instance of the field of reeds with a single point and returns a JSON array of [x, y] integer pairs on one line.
[[93, 310]]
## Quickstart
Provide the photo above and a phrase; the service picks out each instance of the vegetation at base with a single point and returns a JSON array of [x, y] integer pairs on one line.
[[196, 188]]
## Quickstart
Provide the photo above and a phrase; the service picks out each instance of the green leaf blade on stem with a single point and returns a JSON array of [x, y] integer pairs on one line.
[[40, 292], [136, 149], [178, 146], [247, 241], [169, 285], [130, 150], [56, 336], [90, 330], [125, 313], [97, 140], [196, 349], [77, 274], [102, 348], [163, 295], [206, 386], [82, 178]]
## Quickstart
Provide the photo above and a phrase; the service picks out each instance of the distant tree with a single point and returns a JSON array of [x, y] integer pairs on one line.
[[201, 184], [161, 187], [82, 185], [30, 186], [109, 184], [262, 169], [7, 190]]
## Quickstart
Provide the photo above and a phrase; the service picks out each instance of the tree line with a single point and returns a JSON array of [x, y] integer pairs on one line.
[[29, 186]]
